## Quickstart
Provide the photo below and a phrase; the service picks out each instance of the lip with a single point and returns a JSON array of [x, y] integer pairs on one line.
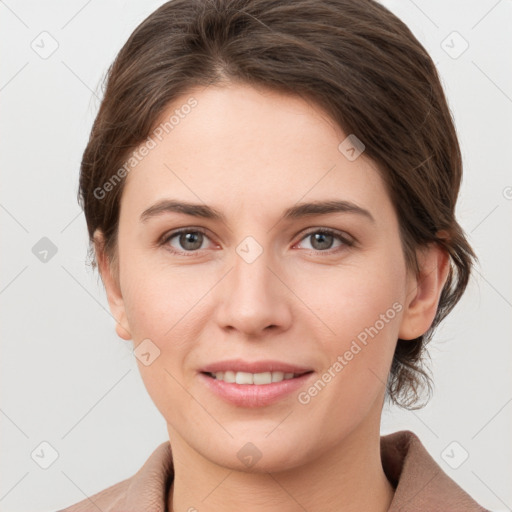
[[252, 395], [238, 365]]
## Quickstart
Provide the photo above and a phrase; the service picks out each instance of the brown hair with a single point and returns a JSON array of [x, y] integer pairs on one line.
[[355, 59]]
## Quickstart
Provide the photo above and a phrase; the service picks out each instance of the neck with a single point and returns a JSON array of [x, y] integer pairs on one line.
[[349, 477]]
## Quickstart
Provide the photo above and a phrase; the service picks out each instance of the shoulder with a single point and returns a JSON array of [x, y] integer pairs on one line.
[[145, 490], [420, 483]]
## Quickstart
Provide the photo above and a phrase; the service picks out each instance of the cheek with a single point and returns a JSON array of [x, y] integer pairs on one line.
[[360, 307], [159, 300], [350, 298], [161, 306], [166, 305]]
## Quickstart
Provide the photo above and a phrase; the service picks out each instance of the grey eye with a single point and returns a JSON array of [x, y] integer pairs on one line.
[[321, 241], [188, 240]]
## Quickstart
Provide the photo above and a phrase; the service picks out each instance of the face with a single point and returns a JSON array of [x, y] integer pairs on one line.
[[253, 281]]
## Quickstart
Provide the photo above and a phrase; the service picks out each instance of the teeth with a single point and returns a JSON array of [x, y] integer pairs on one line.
[[228, 376], [244, 378], [252, 378], [278, 376], [261, 378]]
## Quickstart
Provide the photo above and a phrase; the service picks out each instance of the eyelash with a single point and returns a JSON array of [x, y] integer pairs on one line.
[[346, 241]]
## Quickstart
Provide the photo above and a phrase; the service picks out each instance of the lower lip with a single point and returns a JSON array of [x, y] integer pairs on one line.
[[252, 395]]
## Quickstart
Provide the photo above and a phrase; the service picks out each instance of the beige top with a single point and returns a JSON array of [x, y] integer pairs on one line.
[[420, 484]]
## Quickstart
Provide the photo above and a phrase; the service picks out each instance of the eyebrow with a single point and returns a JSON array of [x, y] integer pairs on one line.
[[295, 212]]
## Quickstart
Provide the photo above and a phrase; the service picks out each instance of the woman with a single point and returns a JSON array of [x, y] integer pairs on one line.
[[270, 190]]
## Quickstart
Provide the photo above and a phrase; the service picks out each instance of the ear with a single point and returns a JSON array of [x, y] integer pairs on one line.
[[110, 276], [424, 291]]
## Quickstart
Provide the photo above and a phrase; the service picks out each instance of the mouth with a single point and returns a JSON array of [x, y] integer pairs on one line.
[[256, 379], [256, 384]]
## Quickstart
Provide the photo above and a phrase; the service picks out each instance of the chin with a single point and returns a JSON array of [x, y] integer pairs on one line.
[[267, 459]]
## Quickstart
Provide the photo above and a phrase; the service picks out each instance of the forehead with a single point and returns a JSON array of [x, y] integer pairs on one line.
[[252, 147]]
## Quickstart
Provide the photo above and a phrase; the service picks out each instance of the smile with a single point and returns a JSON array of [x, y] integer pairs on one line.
[[254, 384], [257, 379]]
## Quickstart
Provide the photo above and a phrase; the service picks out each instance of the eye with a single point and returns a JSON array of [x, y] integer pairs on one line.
[[187, 240], [322, 240], [191, 240]]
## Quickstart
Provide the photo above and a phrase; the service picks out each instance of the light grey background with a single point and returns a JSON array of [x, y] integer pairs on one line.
[[69, 381]]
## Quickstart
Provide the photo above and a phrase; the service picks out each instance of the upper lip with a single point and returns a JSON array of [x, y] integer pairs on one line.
[[238, 365]]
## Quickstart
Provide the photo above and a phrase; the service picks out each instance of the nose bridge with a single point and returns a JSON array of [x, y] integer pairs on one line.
[[250, 268], [251, 281], [252, 297]]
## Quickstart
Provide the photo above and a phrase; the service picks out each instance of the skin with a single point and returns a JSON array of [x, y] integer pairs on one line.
[[252, 153]]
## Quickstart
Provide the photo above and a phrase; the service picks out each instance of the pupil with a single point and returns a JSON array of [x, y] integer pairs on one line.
[[321, 237], [193, 238]]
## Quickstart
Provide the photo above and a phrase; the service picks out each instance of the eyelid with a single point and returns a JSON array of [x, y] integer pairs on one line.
[[342, 236], [166, 237]]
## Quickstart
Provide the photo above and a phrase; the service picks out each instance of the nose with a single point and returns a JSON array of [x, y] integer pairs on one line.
[[252, 298]]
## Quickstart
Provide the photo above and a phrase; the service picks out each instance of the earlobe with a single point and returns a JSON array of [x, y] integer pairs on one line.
[[424, 292], [122, 332], [109, 276]]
